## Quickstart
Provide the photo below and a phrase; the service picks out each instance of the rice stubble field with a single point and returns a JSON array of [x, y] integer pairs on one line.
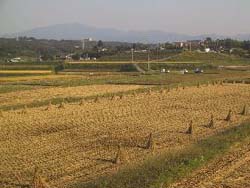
[[73, 143]]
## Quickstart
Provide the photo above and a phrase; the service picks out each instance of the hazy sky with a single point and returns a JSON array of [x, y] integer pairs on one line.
[[183, 16]]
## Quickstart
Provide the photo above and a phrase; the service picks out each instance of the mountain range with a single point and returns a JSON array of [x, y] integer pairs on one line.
[[75, 31]]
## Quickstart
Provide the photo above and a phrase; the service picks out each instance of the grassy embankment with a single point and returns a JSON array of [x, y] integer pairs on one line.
[[211, 58]]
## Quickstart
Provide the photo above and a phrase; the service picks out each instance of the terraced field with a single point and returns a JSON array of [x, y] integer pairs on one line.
[[76, 143]]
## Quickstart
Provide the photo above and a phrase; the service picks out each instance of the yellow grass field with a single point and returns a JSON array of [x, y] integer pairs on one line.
[[128, 62], [41, 94], [77, 143], [25, 71], [33, 77]]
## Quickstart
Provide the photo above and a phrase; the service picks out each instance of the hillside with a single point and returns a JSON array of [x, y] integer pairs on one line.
[[75, 31], [208, 57]]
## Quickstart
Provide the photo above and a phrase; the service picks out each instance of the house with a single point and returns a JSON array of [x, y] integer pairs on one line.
[[69, 56], [190, 44], [16, 60], [40, 59], [61, 57], [104, 49], [140, 51], [179, 44], [194, 44], [207, 50]]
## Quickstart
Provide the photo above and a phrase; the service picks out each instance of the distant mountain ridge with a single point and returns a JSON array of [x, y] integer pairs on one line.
[[77, 31]]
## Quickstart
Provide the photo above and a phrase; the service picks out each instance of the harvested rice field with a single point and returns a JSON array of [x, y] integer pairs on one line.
[[76, 143], [43, 94], [230, 170], [25, 72]]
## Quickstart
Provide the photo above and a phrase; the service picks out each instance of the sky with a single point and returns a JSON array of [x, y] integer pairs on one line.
[[226, 17]]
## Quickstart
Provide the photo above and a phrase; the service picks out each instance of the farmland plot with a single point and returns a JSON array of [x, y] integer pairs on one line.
[[26, 97], [77, 143]]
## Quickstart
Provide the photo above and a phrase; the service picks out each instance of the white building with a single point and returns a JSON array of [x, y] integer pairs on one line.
[[15, 60], [85, 43], [207, 50]]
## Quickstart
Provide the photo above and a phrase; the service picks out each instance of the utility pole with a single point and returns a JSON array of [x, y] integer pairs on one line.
[[83, 44], [217, 45], [132, 53], [157, 53], [148, 60]]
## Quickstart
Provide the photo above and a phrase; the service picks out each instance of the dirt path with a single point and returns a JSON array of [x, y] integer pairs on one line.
[[230, 171]]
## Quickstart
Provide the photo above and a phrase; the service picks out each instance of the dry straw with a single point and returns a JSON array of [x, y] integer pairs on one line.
[[49, 106], [1, 113], [38, 181], [25, 110], [169, 89], [177, 87], [245, 110], [121, 96], [150, 142], [149, 92], [211, 123], [112, 97], [190, 129], [96, 99], [119, 158], [62, 105], [162, 91], [229, 116], [198, 85], [81, 102]]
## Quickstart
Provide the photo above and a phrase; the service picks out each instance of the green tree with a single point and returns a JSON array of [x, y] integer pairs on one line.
[[76, 57], [100, 44], [209, 39], [246, 45], [134, 46]]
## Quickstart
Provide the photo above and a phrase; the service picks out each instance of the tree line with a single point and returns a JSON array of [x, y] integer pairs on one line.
[[54, 49]]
